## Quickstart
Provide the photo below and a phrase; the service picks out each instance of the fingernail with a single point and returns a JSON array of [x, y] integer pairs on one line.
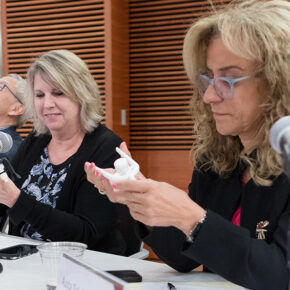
[[91, 165], [86, 164], [96, 173], [114, 185]]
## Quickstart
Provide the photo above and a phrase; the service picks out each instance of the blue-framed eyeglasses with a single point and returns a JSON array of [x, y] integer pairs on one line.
[[223, 86], [3, 86]]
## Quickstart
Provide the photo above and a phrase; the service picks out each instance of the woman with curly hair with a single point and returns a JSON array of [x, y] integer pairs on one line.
[[235, 219]]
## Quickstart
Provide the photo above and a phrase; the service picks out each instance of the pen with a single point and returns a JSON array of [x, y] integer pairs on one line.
[[171, 286]]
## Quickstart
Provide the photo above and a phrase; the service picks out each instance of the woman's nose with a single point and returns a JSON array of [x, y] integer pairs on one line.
[[210, 95], [48, 101]]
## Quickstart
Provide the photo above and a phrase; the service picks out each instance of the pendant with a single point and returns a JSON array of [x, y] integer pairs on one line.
[[260, 229]]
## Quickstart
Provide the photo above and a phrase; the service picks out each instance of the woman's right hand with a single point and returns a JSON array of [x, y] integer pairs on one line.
[[155, 203]]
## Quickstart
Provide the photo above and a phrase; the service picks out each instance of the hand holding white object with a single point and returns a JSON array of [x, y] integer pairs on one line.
[[3, 174], [126, 168], [9, 192]]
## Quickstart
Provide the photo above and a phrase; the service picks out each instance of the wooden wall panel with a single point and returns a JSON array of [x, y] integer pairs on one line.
[[32, 27], [159, 89]]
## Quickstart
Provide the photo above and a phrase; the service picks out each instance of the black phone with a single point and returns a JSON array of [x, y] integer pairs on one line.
[[127, 275], [17, 251]]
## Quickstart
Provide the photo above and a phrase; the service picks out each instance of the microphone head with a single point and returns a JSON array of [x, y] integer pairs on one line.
[[6, 142], [278, 130]]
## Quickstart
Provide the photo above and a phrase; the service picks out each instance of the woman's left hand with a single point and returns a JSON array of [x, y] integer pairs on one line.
[[9, 192], [159, 204], [100, 182]]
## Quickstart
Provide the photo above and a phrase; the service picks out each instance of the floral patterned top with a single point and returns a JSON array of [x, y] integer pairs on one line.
[[44, 182]]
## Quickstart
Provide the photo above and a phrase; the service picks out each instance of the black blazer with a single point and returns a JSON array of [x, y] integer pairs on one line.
[[233, 252]]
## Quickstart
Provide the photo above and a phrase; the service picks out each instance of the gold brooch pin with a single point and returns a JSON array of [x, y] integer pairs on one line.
[[260, 229]]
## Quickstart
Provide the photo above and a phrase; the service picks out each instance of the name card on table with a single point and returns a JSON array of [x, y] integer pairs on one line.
[[74, 274]]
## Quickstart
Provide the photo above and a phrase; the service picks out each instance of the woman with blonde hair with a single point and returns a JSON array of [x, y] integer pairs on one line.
[[235, 219], [53, 201]]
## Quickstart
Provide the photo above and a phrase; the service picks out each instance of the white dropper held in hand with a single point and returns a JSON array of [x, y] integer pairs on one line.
[[126, 168]]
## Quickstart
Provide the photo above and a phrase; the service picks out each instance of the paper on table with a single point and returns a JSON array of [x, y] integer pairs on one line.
[[184, 286]]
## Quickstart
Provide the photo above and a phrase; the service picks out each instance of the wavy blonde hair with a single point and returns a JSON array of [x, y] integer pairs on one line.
[[257, 30], [65, 71]]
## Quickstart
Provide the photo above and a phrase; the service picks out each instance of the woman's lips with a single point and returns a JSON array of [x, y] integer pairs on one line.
[[219, 114]]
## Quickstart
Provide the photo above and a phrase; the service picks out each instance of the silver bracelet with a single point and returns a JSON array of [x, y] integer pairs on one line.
[[194, 232]]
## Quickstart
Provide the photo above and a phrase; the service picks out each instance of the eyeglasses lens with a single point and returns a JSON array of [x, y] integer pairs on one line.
[[202, 85], [222, 87], [2, 86]]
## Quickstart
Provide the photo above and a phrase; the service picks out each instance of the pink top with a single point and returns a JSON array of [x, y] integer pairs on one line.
[[236, 219]]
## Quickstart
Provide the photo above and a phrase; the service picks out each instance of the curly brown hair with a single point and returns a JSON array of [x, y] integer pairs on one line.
[[257, 30]]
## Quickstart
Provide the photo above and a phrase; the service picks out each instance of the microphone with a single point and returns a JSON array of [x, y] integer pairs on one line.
[[280, 141], [5, 142], [5, 145]]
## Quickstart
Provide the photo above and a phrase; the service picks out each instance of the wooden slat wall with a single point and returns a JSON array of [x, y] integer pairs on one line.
[[32, 27], [159, 90]]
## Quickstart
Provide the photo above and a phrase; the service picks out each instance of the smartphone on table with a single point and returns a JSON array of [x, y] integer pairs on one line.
[[17, 251], [127, 275]]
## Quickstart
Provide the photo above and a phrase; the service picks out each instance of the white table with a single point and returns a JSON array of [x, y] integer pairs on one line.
[[28, 273]]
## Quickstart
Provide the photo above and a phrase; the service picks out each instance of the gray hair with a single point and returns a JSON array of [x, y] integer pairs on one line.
[[20, 93]]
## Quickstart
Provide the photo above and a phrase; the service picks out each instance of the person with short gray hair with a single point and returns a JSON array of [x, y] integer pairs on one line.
[[12, 110]]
